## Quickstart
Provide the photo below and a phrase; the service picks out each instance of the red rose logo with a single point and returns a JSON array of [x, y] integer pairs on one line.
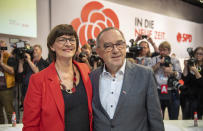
[[94, 18]]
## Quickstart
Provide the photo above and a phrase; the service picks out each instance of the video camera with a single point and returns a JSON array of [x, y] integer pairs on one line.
[[192, 60], [82, 54], [173, 82], [167, 61], [2, 49], [21, 48], [94, 58], [144, 36], [134, 50]]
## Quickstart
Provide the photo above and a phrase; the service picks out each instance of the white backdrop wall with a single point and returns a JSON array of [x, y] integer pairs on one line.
[[180, 33], [172, 8], [43, 27], [64, 11]]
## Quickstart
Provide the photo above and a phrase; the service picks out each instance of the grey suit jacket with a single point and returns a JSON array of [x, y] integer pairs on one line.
[[138, 108]]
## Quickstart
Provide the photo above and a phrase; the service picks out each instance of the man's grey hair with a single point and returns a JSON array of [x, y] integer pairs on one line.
[[105, 30]]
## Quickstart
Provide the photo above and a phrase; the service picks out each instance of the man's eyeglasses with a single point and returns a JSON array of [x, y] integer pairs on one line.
[[63, 40], [163, 49], [109, 46]]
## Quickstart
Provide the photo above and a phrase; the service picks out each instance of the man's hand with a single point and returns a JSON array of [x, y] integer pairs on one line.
[[150, 41], [28, 57], [168, 70], [139, 37]]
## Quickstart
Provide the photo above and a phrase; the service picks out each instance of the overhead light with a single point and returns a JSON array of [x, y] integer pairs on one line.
[[201, 1]]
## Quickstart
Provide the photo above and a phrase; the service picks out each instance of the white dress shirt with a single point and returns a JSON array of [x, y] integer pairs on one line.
[[110, 88]]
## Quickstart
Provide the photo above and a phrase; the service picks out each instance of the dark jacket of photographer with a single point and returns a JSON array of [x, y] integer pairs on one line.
[[193, 86], [27, 71]]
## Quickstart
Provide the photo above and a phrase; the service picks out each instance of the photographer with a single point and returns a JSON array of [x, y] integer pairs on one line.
[[28, 66], [89, 56], [147, 40], [7, 82], [192, 94], [167, 69], [144, 55], [85, 54]]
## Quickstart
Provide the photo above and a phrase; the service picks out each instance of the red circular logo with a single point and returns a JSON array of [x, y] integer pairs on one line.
[[94, 18]]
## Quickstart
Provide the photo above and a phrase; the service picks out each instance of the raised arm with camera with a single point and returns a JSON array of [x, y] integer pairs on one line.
[[192, 69], [141, 49], [89, 56], [149, 40], [194, 64], [30, 62], [34, 68], [153, 44]]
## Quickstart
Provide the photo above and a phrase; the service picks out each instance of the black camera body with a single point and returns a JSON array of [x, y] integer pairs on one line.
[[94, 58], [3, 48], [20, 50], [173, 82], [82, 54], [134, 50], [167, 61], [144, 36], [192, 60]]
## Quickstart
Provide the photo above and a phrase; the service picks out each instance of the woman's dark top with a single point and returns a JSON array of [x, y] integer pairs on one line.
[[76, 109], [193, 86]]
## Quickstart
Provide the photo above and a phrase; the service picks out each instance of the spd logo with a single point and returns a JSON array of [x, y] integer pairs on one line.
[[184, 37], [94, 18]]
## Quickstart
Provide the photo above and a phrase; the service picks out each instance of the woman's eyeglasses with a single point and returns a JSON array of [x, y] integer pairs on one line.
[[63, 40]]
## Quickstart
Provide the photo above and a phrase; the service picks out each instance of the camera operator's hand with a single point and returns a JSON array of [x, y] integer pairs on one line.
[[28, 57], [196, 72], [153, 44], [139, 37], [168, 71], [34, 68], [157, 65], [193, 69], [150, 41], [160, 65]]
